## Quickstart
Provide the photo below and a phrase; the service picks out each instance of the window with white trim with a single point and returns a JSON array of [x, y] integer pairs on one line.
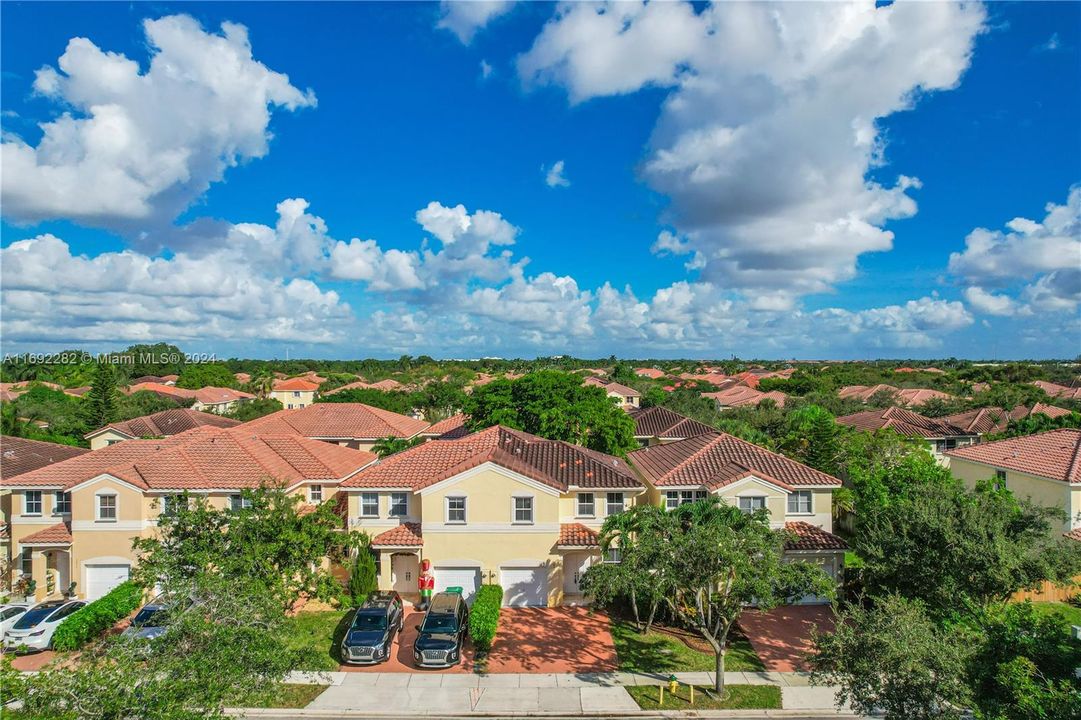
[[369, 505], [675, 498], [799, 502], [239, 502], [523, 509], [752, 503], [62, 503], [315, 493], [32, 502], [613, 555], [399, 504], [170, 504], [586, 505], [106, 507], [28, 561], [456, 510], [614, 503]]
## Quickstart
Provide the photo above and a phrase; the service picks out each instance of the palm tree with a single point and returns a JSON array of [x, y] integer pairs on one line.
[[262, 384]]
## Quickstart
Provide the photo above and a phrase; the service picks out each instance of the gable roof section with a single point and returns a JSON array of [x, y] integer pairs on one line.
[[206, 458], [298, 383], [20, 455], [1055, 454], [557, 464], [350, 421], [717, 459], [167, 422], [59, 534], [660, 422], [904, 422], [981, 420], [742, 395], [449, 429], [812, 537], [577, 535], [612, 387], [865, 392], [914, 397], [404, 535]]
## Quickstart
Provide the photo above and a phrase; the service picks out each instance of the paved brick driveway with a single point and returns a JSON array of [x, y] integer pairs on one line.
[[782, 636], [552, 640], [401, 659]]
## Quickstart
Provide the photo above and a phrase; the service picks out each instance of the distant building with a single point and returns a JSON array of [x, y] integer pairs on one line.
[[294, 393]]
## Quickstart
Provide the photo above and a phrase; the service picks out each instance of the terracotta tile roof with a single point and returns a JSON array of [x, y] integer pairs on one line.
[[652, 373], [1058, 391], [864, 393], [904, 422], [1049, 410], [612, 387], [405, 535], [812, 537], [449, 429], [206, 458], [58, 534], [981, 420], [217, 395], [717, 459], [207, 395], [742, 395], [78, 391], [167, 422], [914, 397], [242, 377], [300, 384], [384, 385], [19, 455], [1074, 534], [577, 535], [554, 463], [660, 422], [1055, 454], [352, 421], [161, 389]]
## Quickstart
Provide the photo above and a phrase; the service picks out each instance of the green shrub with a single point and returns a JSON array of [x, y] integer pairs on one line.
[[484, 617], [362, 578], [92, 620]]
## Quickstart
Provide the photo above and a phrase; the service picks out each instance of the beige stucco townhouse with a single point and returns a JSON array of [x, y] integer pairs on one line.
[[74, 521], [1045, 468]]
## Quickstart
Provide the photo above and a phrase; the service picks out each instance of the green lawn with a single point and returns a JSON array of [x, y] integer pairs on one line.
[[285, 695], [737, 697], [1072, 613], [659, 653], [319, 636]]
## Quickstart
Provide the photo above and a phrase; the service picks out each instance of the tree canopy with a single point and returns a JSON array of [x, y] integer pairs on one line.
[[554, 405]]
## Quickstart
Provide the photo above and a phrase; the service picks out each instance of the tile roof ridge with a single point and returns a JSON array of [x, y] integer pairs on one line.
[[705, 446]]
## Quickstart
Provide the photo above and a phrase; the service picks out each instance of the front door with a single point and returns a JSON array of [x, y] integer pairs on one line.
[[403, 572], [574, 567]]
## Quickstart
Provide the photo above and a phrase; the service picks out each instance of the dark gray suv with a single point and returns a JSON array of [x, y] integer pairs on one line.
[[371, 634], [442, 634]]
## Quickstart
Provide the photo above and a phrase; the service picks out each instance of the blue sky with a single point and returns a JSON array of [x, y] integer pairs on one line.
[[822, 200]]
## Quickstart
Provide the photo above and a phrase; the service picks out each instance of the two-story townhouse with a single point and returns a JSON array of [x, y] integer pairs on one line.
[[354, 425], [1045, 468], [18, 456], [940, 435], [160, 424], [74, 521], [294, 393], [656, 425], [797, 497], [498, 505], [627, 397]]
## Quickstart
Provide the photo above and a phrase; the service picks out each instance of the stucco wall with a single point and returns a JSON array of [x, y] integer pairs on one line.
[[1043, 491]]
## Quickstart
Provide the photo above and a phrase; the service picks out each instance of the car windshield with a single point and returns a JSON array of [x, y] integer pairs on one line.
[[149, 615], [441, 623], [370, 621], [32, 617]]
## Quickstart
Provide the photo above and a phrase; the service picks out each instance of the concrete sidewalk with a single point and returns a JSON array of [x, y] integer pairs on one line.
[[427, 694]]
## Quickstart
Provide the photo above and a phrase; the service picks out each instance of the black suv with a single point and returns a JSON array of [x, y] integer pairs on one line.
[[442, 633], [375, 624]]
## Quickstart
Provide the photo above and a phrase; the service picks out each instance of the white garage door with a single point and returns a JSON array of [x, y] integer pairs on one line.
[[467, 578], [524, 586], [100, 579]]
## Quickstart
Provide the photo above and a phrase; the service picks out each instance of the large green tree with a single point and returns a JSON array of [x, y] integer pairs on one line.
[[100, 405], [813, 438], [958, 550], [554, 405], [201, 375]]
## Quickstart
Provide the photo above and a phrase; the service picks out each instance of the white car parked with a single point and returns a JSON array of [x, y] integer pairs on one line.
[[34, 629], [9, 614]]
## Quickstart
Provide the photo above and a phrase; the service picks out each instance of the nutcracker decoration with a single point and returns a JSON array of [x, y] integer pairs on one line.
[[425, 583]]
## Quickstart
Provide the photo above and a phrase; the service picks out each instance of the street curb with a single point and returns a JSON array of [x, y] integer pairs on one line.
[[317, 713]]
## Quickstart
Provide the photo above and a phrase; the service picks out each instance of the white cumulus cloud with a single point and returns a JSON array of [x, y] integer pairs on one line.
[[134, 148], [465, 17], [555, 177]]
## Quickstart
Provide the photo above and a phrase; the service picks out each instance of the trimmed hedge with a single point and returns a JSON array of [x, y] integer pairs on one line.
[[90, 621], [484, 617]]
